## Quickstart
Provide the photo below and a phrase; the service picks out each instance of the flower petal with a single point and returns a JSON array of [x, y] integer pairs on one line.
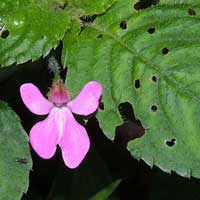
[[88, 100], [44, 135], [34, 100], [74, 142]]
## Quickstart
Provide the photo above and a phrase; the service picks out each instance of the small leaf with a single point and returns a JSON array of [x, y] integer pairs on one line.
[[15, 158], [106, 192], [30, 29], [150, 59]]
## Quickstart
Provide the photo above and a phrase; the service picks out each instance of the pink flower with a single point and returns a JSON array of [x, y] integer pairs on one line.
[[60, 127]]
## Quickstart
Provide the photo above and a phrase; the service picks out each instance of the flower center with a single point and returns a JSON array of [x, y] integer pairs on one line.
[[58, 94]]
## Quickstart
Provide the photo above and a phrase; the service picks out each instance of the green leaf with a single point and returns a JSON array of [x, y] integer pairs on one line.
[[30, 29], [70, 38], [90, 7], [15, 158], [149, 58], [106, 192]]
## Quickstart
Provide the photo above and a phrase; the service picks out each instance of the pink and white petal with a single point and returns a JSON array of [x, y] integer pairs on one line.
[[44, 135], [74, 142], [87, 101], [34, 100]]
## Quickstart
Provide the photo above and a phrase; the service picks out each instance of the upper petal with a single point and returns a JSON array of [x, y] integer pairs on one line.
[[44, 135], [88, 100], [34, 100], [74, 142]]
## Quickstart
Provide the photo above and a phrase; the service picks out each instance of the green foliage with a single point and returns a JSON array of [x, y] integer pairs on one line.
[[15, 159], [106, 192], [149, 58], [69, 39], [90, 7], [30, 29]]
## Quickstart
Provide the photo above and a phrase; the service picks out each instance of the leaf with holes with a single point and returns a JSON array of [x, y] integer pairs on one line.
[[15, 159], [30, 29], [150, 58]]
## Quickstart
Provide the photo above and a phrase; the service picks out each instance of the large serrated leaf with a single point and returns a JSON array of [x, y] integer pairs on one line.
[[149, 58], [30, 29], [15, 159]]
